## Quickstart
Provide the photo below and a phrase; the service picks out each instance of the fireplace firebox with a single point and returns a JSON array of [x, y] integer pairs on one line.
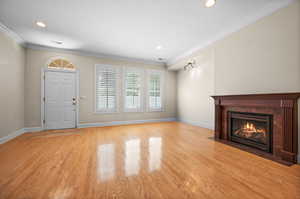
[[251, 129]]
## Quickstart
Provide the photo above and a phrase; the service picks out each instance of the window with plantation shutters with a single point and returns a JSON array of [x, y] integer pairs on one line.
[[106, 88], [155, 95], [133, 85]]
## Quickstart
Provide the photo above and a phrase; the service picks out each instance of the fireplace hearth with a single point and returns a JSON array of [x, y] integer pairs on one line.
[[263, 124]]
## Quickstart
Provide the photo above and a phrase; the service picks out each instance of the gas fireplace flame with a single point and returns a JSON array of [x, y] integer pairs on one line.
[[249, 129]]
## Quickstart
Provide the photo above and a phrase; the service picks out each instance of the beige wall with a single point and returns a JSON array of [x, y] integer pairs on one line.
[[263, 57], [194, 89], [12, 62], [36, 59]]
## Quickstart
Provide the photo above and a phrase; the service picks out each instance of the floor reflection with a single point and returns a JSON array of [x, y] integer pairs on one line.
[[132, 157], [155, 152], [106, 157], [106, 161], [61, 193]]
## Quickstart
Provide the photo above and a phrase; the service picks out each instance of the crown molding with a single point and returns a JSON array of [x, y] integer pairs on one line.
[[12, 34], [17, 38], [93, 54], [250, 20]]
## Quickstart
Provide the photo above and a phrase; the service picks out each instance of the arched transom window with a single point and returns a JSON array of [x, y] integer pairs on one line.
[[61, 64]]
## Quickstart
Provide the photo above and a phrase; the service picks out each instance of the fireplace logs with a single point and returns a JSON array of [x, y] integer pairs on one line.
[[250, 131]]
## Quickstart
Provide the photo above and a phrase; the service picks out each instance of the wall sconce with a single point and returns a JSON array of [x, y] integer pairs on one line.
[[190, 65]]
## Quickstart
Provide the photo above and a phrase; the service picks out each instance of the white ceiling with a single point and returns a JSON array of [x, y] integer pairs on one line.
[[131, 28]]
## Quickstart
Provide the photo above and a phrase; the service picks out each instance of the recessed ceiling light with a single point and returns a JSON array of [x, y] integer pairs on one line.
[[40, 24], [210, 3], [160, 59], [58, 42], [158, 47]]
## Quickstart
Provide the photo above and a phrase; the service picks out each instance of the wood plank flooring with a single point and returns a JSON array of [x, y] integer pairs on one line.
[[155, 161]]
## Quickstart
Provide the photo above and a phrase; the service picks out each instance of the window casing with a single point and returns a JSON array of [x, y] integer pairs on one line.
[[133, 89], [106, 88], [155, 82], [142, 90]]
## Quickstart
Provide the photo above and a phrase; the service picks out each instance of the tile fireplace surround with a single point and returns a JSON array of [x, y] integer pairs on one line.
[[281, 107]]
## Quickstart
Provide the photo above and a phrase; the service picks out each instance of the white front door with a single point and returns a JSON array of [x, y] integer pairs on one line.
[[60, 100]]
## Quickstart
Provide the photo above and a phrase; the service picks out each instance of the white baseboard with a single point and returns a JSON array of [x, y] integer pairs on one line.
[[12, 135], [202, 124], [18, 133], [33, 129], [115, 123]]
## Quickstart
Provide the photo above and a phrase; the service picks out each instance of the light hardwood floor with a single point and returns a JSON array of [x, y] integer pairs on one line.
[[154, 161]]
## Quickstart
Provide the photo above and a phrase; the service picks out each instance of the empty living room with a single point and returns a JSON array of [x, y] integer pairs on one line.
[[150, 99]]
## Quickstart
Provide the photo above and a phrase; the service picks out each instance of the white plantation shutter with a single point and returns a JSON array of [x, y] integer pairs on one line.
[[133, 85], [106, 88], [155, 89]]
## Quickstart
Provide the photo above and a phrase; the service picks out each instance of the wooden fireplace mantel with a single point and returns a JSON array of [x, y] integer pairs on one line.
[[282, 106]]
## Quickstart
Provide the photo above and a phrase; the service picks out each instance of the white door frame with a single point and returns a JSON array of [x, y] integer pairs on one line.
[[43, 71]]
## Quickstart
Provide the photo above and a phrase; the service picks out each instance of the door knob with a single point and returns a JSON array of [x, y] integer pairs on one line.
[[74, 101]]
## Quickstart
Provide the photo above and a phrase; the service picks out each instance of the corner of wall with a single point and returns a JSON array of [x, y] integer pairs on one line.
[[12, 136], [201, 124]]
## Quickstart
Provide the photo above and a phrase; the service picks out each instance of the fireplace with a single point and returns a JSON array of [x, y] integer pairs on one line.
[[251, 129], [263, 124]]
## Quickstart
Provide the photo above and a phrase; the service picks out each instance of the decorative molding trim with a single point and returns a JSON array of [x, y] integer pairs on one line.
[[12, 136], [116, 123], [207, 125], [12, 34], [248, 21], [92, 54]]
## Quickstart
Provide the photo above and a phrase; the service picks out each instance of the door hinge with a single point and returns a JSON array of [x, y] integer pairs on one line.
[[44, 99], [44, 121], [44, 77]]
